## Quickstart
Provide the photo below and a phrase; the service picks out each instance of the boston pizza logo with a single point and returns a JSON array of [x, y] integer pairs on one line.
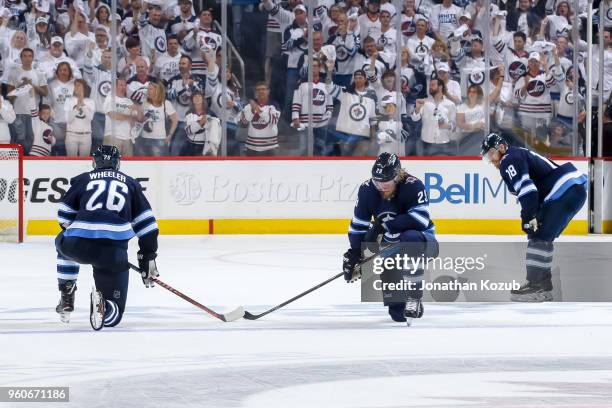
[[318, 97], [357, 112], [517, 69], [104, 88], [160, 44], [536, 88], [185, 188]]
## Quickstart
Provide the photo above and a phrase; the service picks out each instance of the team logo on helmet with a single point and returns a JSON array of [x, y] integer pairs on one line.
[[160, 44], [357, 112], [104, 88], [536, 88], [318, 97], [517, 69], [477, 77]]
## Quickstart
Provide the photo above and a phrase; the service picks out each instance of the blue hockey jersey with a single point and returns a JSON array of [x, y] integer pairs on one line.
[[407, 210], [108, 204], [536, 180]]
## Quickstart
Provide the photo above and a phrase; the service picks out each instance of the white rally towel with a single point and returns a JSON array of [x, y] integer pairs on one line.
[[20, 90]]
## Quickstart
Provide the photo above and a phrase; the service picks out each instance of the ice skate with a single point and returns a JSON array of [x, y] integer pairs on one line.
[[414, 310], [96, 309], [533, 292], [66, 303]]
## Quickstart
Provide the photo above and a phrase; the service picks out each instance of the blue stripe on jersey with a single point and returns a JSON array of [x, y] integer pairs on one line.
[[85, 229], [564, 183], [527, 189], [66, 208], [519, 183], [354, 231], [143, 216], [94, 234], [151, 227], [358, 221], [421, 214]]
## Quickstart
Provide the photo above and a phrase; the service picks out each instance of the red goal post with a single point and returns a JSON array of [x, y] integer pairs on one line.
[[11, 193]]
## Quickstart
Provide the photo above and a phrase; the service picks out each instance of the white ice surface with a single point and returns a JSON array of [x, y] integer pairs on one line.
[[325, 350]]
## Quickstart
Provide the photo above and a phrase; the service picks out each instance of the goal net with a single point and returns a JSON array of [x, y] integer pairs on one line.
[[11, 193]]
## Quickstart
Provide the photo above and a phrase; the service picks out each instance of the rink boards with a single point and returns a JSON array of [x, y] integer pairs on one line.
[[205, 196]]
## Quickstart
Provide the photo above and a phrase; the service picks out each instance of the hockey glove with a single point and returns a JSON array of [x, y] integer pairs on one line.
[[350, 259], [148, 267], [530, 226]]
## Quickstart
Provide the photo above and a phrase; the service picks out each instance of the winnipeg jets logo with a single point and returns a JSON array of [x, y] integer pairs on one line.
[[318, 97], [160, 44], [421, 49], [104, 88], [536, 88], [569, 98], [357, 112], [408, 28], [517, 69], [341, 53], [477, 78]]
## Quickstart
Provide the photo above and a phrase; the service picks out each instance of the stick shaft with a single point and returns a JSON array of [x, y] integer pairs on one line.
[[182, 295], [285, 303]]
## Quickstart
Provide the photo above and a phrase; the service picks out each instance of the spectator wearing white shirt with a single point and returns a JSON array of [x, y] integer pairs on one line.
[[445, 19], [78, 38], [453, 89], [155, 137], [119, 119], [126, 66], [10, 48], [60, 89], [203, 131], [369, 22], [261, 117], [166, 65], [79, 110], [471, 122], [48, 63], [7, 116], [29, 86], [437, 115]]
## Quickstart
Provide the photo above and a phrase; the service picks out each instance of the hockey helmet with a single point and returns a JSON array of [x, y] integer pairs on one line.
[[386, 167], [106, 157], [492, 141]]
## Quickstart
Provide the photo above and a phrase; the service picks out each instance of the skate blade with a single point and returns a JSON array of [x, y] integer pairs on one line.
[[532, 297], [64, 317], [96, 310], [409, 321]]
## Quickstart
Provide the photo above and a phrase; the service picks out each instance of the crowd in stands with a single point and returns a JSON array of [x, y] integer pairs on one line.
[[406, 77]]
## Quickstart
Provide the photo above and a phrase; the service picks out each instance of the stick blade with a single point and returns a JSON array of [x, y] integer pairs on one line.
[[236, 314], [249, 316]]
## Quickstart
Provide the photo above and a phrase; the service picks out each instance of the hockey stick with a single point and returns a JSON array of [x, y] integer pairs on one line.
[[226, 317], [250, 316]]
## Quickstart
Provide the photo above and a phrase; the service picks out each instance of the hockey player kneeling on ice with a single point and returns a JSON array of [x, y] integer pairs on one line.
[[398, 204], [550, 196], [99, 214]]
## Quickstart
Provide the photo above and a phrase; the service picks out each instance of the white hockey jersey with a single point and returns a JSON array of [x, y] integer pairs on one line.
[[262, 132], [44, 139], [356, 110], [536, 101], [214, 91], [322, 105], [346, 49], [99, 79], [208, 135]]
